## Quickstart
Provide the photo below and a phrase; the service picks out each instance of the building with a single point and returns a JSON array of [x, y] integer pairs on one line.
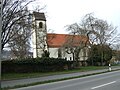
[[58, 45], [63, 45], [39, 34]]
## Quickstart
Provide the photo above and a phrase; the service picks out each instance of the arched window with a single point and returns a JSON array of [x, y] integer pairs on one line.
[[40, 25]]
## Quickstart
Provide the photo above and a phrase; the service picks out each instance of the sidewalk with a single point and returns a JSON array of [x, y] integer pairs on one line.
[[53, 77]]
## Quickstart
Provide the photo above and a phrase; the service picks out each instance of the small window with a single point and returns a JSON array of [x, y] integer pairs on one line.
[[40, 25], [59, 53]]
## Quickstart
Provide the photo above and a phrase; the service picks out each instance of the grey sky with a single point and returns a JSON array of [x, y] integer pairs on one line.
[[64, 12]]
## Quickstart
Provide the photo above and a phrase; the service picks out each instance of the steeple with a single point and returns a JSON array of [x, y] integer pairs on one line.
[[39, 34]]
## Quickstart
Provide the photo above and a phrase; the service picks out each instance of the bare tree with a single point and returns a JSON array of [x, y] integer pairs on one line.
[[11, 15], [99, 31], [96, 30], [16, 26], [20, 42], [20, 46]]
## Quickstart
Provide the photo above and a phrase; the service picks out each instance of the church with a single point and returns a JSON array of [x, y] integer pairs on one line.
[[58, 45]]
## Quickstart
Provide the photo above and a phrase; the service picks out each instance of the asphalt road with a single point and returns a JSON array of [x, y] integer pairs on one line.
[[106, 81], [12, 83]]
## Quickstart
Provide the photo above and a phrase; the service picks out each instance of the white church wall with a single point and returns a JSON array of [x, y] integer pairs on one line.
[[53, 52]]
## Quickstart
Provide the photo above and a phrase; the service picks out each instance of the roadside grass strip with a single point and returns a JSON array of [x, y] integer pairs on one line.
[[55, 80], [17, 76]]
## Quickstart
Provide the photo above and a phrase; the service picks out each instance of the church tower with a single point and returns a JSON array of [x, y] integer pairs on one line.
[[39, 34]]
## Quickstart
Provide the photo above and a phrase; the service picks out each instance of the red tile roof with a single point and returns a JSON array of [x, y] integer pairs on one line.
[[58, 40]]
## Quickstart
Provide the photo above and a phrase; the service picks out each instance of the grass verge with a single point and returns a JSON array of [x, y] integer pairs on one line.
[[11, 76], [49, 81]]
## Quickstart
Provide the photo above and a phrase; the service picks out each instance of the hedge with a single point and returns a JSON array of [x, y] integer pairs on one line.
[[34, 65]]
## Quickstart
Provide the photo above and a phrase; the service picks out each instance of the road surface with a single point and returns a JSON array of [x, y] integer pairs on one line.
[[12, 83], [106, 81]]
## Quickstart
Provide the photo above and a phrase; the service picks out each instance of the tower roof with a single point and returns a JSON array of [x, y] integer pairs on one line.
[[39, 16]]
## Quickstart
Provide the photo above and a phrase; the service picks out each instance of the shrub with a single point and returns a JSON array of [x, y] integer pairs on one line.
[[34, 65]]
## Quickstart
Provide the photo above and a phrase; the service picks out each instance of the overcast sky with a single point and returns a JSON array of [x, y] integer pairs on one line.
[[64, 12]]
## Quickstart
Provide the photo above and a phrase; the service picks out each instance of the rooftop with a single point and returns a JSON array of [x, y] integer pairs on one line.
[[59, 40], [39, 16]]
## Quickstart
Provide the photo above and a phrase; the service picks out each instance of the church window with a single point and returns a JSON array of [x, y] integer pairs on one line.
[[40, 25], [59, 53]]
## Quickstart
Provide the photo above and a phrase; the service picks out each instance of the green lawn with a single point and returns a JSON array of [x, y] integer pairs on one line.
[[9, 76]]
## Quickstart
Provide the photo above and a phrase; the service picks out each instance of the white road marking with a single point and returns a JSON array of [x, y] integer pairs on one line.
[[103, 85]]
